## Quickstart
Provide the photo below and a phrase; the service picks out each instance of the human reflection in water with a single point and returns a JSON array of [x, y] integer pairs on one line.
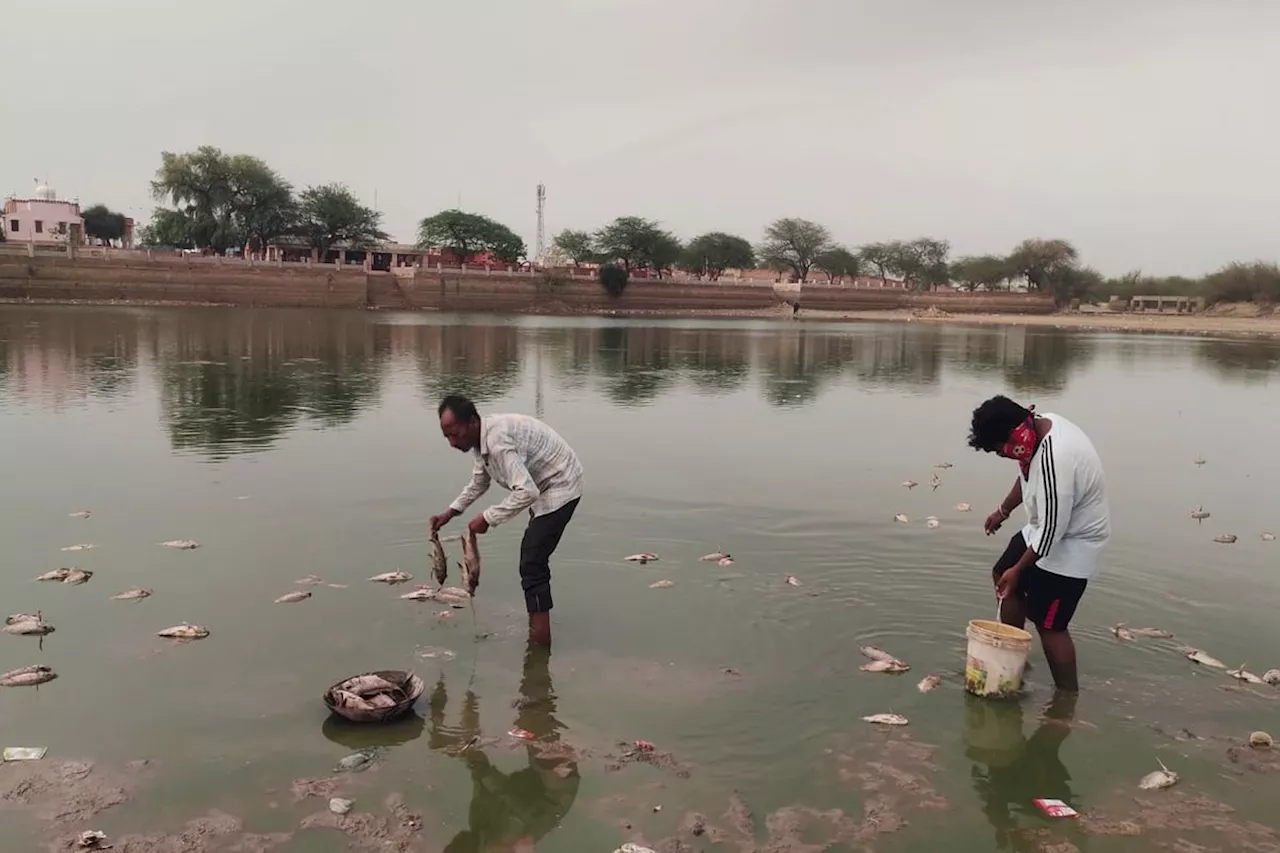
[[1012, 770], [511, 811]]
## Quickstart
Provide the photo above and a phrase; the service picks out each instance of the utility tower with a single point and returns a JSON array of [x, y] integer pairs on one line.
[[541, 247]]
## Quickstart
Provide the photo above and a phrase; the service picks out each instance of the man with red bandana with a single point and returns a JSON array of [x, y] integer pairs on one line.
[[1048, 563]]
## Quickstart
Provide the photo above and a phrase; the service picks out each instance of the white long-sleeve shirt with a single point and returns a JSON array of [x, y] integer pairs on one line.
[[524, 455], [1065, 496]]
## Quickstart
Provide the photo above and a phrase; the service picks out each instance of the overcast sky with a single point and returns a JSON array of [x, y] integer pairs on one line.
[[1142, 130]]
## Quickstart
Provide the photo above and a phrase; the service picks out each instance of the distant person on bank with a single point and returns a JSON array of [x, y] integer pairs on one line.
[[1049, 562], [529, 458]]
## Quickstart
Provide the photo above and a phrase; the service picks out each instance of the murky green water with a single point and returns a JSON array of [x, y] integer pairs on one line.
[[291, 443]]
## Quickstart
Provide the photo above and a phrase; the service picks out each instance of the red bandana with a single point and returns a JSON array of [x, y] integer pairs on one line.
[[1022, 443]]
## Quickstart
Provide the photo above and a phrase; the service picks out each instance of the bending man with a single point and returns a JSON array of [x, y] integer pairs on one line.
[[1048, 563], [544, 476]]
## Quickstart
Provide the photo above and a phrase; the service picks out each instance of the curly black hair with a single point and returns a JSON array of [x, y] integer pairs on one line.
[[994, 421]]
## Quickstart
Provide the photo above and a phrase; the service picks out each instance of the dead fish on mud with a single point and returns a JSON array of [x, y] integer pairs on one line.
[[356, 760], [78, 548], [1158, 779], [642, 558], [392, 577], [340, 806], [291, 597], [886, 719], [132, 595], [1244, 675], [901, 518], [884, 666], [928, 683], [184, 632], [439, 562], [27, 676], [55, 575], [92, 839], [963, 506], [470, 565], [181, 544], [791, 580], [84, 513], [1197, 656], [1272, 677], [1225, 538], [1122, 633], [78, 576], [662, 584]]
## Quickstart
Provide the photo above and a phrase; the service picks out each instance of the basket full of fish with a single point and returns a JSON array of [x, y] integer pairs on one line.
[[375, 697]]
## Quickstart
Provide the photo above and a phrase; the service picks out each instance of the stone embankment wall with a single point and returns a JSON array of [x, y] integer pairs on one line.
[[204, 281]]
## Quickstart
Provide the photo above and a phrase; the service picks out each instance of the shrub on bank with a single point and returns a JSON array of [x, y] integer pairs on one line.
[[613, 278]]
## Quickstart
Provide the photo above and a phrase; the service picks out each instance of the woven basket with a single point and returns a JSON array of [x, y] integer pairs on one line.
[[410, 685]]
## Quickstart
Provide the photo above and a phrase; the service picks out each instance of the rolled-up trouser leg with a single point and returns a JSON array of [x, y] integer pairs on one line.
[[540, 540]]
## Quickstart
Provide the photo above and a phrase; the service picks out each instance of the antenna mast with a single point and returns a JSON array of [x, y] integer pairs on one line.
[[541, 248]]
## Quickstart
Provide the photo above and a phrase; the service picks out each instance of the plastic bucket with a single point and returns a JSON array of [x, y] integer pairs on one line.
[[995, 659]]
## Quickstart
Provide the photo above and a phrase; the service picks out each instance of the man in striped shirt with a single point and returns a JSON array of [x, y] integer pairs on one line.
[[1048, 563], [542, 473]]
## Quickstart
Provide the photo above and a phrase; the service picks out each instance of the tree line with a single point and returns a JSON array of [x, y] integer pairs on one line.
[[212, 200]]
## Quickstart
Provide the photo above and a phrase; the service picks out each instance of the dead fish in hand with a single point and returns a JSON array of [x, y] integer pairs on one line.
[[884, 666], [184, 632], [55, 575], [714, 557], [291, 597], [1122, 633], [1197, 656], [1158, 779], [642, 558], [181, 544], [78, 576], [1244, 675], [392, 577], [470, 564], [1225, 538], [439, 562], [662, 584], [27, 676], [928, 683], [132, 595], [886, 719]]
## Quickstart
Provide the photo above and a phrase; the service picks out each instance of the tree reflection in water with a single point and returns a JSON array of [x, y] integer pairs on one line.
[[1241, 361]]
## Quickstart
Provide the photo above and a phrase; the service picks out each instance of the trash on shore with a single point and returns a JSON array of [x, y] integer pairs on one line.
[[1054, 808], [24, 753]]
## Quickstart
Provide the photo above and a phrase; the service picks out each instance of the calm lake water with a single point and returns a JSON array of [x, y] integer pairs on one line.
[[290, 443]]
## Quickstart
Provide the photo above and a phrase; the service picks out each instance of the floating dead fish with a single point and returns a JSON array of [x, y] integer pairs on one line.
[[55, 575], [1122, 633], [875, 653], [901, 518], [1260, 740], [470, 564], [884, 666], [928, 683], [909, 484], [422, 594], [27, 676], [1272, 677], [724, 562], [1225, 538], [29, 628], [932, 522], [1197, 656], [1244, 675], [78, 576], [184, 632], [339, 806], [1159, 633], [439, 562], [132, 595], [455, 600], [92, 839], [22, 617], [452, 537], [662, 584], [309, 579], [1199, 513], [944, 465], [356, 760], [456, 591], [963, 506], [935, 481], [292, 597], [392, 577], [84, 513], [1158, 779], [642, 558], [886, 719], [1268, 537], [714, 557], [336, 585], [87, 547], [792, 580], [1200, 460], [181, 544]]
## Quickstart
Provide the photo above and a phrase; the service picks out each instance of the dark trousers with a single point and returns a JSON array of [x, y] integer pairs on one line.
[[540, 540]]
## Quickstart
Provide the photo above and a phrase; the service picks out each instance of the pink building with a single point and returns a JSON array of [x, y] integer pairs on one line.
[[42, 219]]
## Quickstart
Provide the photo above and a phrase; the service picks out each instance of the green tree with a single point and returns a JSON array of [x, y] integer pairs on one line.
[[1038, 260], [466, 235], [920, 263], [637, 242], [1240, 282], [103, 224], [985, 271], [793, 245], [838, 262], [879, 256], [711, 254], [168, 229], [613, 278], [331, 214], [579, 246]]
